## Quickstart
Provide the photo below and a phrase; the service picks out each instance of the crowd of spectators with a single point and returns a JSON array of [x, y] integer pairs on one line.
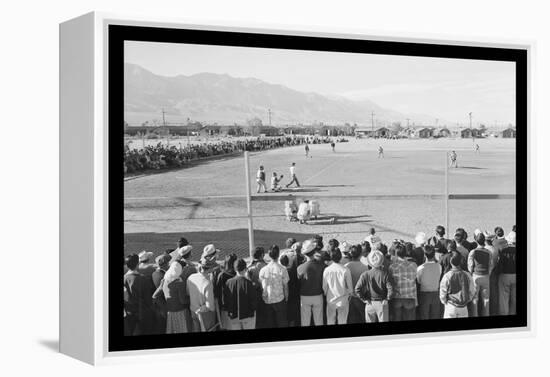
[[162, 156], [315, 282]]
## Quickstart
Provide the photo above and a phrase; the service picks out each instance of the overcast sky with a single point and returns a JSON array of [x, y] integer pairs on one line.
[[444, 88]]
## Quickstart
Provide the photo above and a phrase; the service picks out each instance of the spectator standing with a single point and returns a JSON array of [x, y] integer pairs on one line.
[[177, 301], [507, 277], [375, 289], [403, 273], [480, 264], [159, 303], [356, 268], [138, 306], [274, 279], [456, 290], [428, 275], [310, 279], [240, 298], [227, 273], [417, 253], [254, 269], [201, 292], [338, 288], [439, 242]]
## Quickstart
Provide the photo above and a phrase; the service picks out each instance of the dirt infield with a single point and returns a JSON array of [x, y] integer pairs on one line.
[[398, 195]]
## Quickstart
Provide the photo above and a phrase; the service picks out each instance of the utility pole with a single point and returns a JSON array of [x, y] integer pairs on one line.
[[269, 116], [372, 123], [163, 119], [470, 114], [408, 122]]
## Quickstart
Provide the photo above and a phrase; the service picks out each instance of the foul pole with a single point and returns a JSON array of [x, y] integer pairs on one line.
[[249, 205], [446, 193]]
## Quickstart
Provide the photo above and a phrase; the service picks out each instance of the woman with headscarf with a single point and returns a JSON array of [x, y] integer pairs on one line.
[[177, 301]]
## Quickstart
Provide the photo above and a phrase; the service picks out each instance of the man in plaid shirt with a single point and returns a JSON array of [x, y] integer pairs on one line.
[[403, 272]]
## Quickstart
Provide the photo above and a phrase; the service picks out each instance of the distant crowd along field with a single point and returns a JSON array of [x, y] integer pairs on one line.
[[164, 156]]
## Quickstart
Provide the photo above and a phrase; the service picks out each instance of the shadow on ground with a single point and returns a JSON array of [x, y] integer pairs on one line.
[[52, 345], [235, 240]]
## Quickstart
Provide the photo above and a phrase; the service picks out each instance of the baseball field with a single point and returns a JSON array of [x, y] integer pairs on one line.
[[399, 194]]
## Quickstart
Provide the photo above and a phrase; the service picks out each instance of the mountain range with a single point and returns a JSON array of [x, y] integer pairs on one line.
[[220, 98]]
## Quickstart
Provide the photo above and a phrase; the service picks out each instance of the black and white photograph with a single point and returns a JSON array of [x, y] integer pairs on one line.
[[275, 188]]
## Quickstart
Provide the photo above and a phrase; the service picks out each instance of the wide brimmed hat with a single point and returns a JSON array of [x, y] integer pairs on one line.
[[185, 250], [144, 256], [208, 264], [375, 259], [309, 247], [208, 251]]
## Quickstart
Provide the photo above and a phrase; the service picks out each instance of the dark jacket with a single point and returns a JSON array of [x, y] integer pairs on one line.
[[480, 259], [240, 297], [445, 262], [140, 290], [310, 278], [507, 260], [375, 284], [223, 277]]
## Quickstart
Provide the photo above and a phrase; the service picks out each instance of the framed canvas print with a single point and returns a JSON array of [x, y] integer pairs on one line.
[[224, 186]]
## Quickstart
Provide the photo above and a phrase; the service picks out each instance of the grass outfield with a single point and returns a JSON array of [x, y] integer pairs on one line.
[[206, 202]]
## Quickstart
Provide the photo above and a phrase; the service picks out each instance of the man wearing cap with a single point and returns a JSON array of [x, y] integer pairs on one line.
[[427, 276], [310, 279], [507, 277], [403, 273], [480, 265], [356, 268], [274, 279], [338, 288], [375, 289], [456, 290], [201, 292]]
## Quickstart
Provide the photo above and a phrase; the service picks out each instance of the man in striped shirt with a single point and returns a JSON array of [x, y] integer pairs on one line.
[[403, 272]]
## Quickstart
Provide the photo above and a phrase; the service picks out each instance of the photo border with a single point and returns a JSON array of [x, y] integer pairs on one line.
[[118, 34]]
